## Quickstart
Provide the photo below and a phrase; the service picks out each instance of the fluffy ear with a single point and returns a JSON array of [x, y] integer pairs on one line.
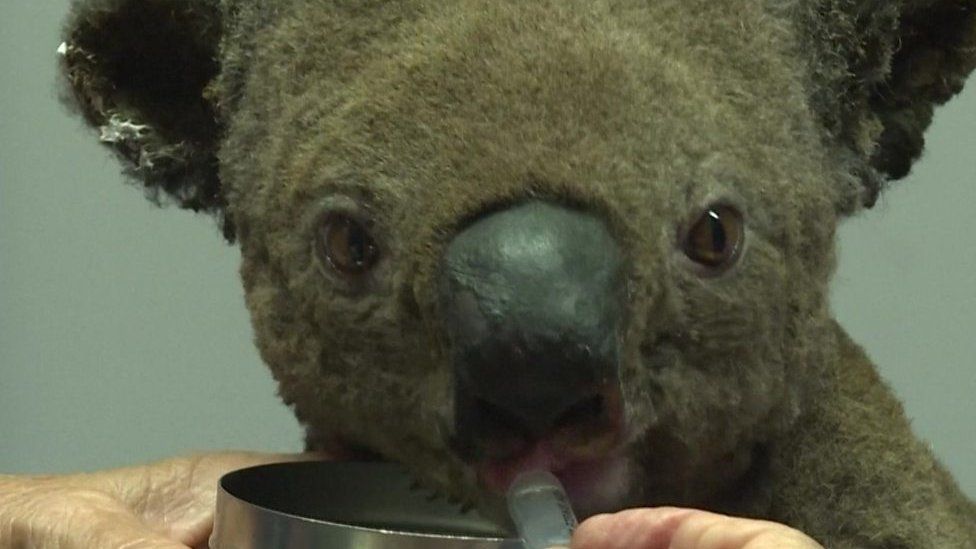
[[139, 71], [880, 69]]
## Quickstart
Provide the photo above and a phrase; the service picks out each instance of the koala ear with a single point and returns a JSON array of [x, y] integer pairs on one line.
[[881, 68], [934, 52], [140, 71]]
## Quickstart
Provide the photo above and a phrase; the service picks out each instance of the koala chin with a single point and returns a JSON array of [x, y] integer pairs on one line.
[[480, 237]]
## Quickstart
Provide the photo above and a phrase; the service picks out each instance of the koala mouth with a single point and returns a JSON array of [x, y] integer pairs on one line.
[[584, 450], [596, 482]]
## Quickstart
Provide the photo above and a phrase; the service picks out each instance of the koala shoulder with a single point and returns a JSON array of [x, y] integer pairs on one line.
[[855, 456]]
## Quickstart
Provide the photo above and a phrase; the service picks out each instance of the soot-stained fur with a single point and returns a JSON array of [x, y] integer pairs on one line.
[[740, 392], [880, 69], [137, 71]]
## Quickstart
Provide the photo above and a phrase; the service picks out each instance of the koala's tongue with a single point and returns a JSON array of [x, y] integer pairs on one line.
[[589, 483]]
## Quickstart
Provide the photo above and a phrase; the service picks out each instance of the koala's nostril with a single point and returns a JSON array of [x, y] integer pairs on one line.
[[496, 418], [496, 432], [500, 433], [586, 411]]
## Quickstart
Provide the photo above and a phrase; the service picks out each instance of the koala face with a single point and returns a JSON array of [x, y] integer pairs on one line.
[[555, 235], [481, 237]]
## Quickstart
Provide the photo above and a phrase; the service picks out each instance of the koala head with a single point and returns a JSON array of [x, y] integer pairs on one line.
[[482, 236]]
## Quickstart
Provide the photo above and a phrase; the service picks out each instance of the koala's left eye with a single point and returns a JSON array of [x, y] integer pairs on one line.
[[716, 238], [346, 245]]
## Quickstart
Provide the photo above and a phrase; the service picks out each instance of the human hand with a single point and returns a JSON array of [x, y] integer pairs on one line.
[[672, 528], [164, 505]]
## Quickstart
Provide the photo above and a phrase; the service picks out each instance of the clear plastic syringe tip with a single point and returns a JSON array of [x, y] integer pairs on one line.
[[541, 510]]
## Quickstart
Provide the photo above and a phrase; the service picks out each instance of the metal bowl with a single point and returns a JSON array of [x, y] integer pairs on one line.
[[343, 505]]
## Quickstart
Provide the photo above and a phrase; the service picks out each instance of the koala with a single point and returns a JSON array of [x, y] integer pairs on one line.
[[587, 236]]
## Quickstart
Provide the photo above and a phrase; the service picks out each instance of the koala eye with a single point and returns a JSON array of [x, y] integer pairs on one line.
[[716, 237], [346, 245]]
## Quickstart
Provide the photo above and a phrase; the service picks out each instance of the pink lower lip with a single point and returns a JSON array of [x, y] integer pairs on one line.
[[581, 478], [497, 476], [587, 480]]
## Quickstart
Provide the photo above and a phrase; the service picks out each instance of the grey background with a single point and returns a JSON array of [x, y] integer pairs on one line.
[[123, 335]]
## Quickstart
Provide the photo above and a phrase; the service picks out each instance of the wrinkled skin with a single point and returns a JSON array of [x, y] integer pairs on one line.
[[732, 389], [164, 505], [670, 528]]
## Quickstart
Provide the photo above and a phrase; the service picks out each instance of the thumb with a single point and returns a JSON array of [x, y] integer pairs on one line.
[[177, 496], [672, 528]]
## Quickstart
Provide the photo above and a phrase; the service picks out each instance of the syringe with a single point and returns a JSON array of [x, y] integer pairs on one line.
[[541, 510]]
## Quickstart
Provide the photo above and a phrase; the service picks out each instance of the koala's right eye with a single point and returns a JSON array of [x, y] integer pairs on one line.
[[715, 240], [346, 245]]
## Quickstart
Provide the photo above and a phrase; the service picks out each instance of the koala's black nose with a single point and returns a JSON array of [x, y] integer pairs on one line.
[[531, 298]]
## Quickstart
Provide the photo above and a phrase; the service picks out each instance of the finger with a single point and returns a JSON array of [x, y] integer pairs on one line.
[[632, 529], [74, 518], [178, 495], [701, 530], [672, 528]]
